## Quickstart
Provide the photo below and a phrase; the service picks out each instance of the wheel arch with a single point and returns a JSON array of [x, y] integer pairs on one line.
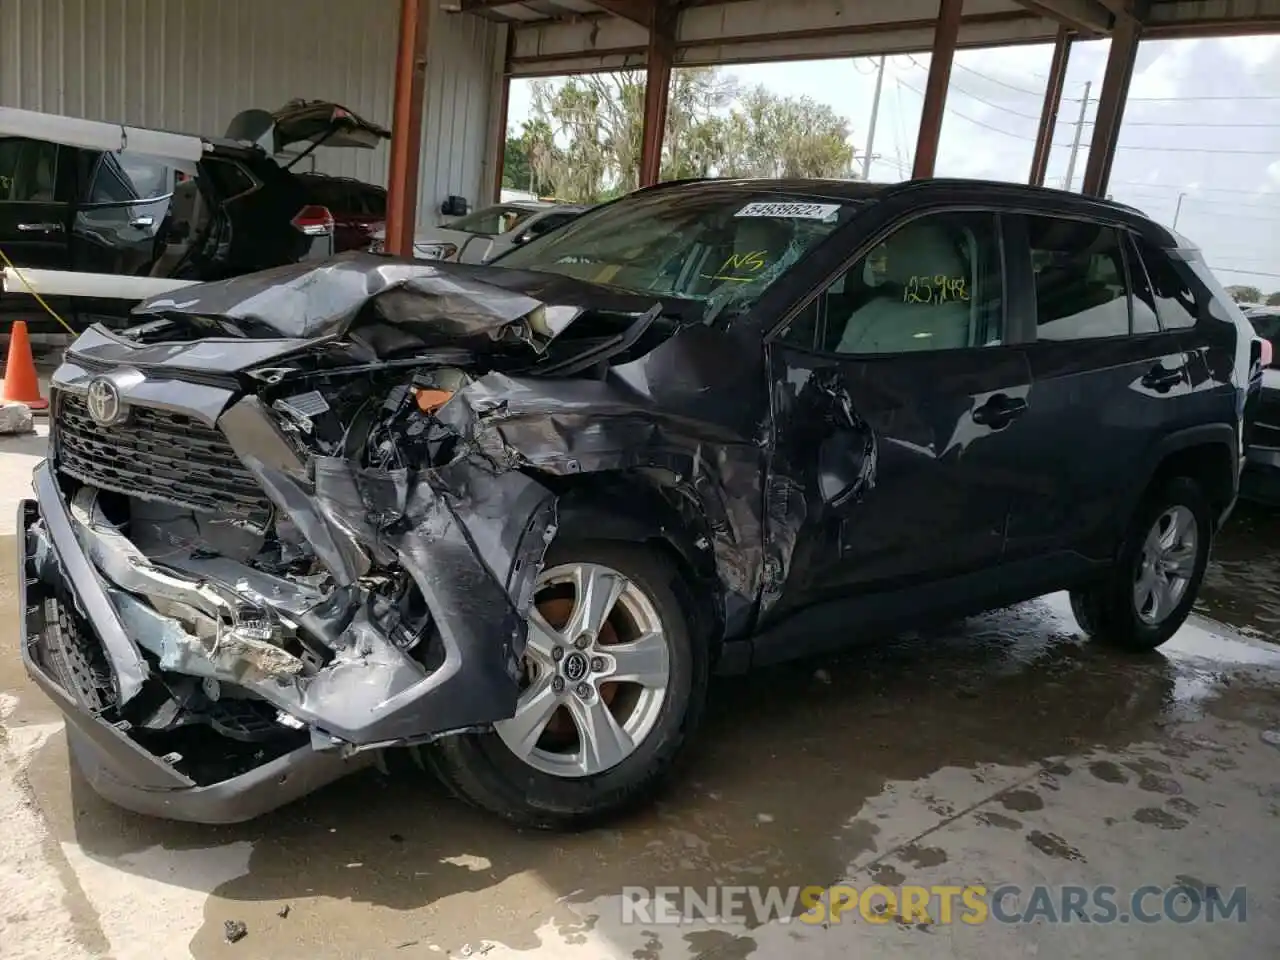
[[655, 509], [1207, 454]]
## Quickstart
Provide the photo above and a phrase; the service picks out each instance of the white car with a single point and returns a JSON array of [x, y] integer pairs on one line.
[[485, 234]]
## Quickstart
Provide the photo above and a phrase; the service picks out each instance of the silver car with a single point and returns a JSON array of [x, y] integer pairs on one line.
[[485, 234]]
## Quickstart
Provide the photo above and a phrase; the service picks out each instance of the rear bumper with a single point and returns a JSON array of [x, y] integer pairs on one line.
[[115, 765]]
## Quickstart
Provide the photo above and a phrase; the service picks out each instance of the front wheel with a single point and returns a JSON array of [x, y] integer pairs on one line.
[[1150, 591], [613, 687]]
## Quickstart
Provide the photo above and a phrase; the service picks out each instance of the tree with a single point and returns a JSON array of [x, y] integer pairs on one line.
[[1245, 294], [593, 126], [529, 159], [1274, 299]]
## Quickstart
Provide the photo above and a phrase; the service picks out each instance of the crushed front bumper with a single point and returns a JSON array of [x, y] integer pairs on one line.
[[348, 725], [118, 768]]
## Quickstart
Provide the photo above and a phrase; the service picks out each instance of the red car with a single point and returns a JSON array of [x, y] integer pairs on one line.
[[359, 209]]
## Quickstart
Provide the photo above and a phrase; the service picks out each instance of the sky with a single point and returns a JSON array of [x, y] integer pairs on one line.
[[1202, 123]]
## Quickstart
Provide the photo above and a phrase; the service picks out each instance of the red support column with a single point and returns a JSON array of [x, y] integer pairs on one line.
[[406, 128], [1052, 103], [1115, 91], [945, 35], [500, 108], [662, 48]]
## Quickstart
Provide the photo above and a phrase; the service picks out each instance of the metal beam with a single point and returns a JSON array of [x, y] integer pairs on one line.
[[1111, 100], [499, 111], [637, 11], [657, 87], [945, 35], [1089, 16], [406, 128], [1049, 111]]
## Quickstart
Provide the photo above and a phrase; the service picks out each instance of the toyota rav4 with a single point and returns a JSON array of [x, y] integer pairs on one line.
[[514, 515]]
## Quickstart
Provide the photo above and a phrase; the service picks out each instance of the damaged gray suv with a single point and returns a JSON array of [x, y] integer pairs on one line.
[[516, 515]]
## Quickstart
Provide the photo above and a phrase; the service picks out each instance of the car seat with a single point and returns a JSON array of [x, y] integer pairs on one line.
[[889, 323]]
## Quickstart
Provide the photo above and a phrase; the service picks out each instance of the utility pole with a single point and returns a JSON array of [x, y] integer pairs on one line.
[[1075, 143], [1177, 210], [871, 129]]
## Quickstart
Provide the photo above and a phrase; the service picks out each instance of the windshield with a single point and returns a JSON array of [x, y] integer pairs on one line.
[[722, 246], [492, 221]]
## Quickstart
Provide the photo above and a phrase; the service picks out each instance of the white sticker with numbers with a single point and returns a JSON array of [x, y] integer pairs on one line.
[[793, 211]]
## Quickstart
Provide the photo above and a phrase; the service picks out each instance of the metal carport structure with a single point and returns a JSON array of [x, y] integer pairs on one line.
[[550, 37]]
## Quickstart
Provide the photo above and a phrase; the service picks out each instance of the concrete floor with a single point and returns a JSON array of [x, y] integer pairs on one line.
[[1002, 750]]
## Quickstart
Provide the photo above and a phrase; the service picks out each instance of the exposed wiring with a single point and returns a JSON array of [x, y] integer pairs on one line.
[[4, 259]]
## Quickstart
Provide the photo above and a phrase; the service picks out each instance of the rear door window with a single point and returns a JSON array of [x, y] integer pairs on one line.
[[1080, 285], [1145, 312]]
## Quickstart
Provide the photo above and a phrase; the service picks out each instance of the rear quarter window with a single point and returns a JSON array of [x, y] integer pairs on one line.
[[1175, 300]]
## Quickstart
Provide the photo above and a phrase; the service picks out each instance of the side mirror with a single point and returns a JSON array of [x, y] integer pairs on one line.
[[455, 206], [1268, 350]]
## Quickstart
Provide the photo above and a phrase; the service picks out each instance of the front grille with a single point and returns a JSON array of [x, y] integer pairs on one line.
[[158, 455]]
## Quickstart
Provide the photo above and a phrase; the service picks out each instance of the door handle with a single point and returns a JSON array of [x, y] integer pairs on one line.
[[1000, 411], [142, 222], [1161, 379], [40, 227]]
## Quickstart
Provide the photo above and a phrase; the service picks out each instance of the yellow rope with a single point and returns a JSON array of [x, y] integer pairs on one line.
[[39, 299]]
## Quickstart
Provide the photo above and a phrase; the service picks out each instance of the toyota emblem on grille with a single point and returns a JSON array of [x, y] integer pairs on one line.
[[103, 401]]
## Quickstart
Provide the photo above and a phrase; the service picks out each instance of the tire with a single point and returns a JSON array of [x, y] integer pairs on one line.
[[1112, 611], [570, 789]]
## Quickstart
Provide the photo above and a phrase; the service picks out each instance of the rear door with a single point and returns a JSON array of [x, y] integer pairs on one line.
[[1105, 375], [37, 190], [899, 407]]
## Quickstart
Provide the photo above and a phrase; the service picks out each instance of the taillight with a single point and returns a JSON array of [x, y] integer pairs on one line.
[[1267, 352], [313, 220]]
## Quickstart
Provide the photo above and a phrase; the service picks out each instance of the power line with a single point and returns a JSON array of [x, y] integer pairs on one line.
[[994, 106], [1247, 273], [1234, 216], [999, 83], [1182, 189], [1198, 99], [1158, 149], [979, 123], [1122, 146], [1193, 123]]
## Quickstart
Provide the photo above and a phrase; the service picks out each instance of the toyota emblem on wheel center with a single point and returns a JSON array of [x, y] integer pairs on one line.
[[103, 401]]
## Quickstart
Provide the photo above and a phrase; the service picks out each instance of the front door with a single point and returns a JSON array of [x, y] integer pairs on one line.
[[898, 404]]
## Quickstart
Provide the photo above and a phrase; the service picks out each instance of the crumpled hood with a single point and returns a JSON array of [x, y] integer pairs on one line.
[[442, 304]]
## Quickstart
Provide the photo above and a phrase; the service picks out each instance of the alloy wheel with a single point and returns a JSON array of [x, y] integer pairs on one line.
[[597, 668], [1166, 565]]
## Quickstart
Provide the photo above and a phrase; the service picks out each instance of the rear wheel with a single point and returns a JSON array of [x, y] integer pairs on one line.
[[1150, 591], [614, 685]]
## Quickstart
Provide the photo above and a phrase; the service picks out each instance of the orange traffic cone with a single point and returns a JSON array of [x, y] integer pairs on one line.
[[20, 382]]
